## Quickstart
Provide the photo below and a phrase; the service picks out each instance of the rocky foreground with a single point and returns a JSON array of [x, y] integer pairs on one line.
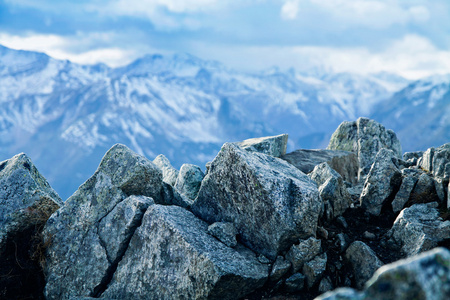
[[358, 218]]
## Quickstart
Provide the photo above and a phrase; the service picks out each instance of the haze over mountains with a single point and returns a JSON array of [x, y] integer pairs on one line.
[[65, 116]]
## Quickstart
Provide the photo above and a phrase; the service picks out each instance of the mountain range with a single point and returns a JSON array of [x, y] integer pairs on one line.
[[65, 116]]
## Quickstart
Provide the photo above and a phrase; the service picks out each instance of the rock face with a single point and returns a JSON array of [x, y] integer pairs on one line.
[[418, 228], [403, 194], [170, 174], [189, 180], [382, 182], [306, 250], [437, 161], [363, 261], [270, 145], [224, 232], [332, 189], [343, 162], [89, 234], [26, 202], [271, 203], [171, 256], [364, 137]]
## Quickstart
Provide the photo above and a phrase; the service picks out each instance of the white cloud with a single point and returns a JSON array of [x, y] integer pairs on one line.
[[289, 10]]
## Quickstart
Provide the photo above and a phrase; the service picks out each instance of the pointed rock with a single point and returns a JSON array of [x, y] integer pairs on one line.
[[270, 145], [170, 174], [189, 180]]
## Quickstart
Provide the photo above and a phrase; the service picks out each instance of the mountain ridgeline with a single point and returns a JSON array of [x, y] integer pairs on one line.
[[65, 116]]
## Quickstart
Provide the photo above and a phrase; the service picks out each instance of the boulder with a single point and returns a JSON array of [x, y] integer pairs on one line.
[[403, 194], [364, 262], [224, 232], [306, 250], [437, 161], [270, 145], [426, 276], [171, 256], [412, 157], [279, 268], [343, 162], [294, 283], [424, 190], [26, 202], [418, 228], [169, 173], [189, 180], [271, 203], [325, 285], [364, 137], [314, 269], [88, 235], [382, 182], [332, 189]]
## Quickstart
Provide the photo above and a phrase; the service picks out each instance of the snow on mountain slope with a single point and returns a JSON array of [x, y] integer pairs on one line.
[[66, 116]]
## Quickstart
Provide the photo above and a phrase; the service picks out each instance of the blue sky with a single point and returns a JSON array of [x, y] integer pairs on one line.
[[409, 37]]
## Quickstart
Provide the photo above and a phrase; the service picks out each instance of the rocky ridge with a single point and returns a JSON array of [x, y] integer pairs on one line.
[[255, 226]]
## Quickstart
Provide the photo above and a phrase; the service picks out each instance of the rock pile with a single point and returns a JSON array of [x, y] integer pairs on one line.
[[259, 224]]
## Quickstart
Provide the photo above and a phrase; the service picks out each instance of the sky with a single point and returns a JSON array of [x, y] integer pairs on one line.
[[407, 37]]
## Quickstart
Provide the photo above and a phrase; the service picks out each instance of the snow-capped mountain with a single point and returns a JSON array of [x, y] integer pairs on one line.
[[65, 116]]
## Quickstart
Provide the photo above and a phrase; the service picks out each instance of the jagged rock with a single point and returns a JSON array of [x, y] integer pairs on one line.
[[332, 190], [344, 293], [314, 269], [426, 276], [418, 228], [424, 191], [171, 256], [364, 137], [26, 202], [403, 193], [363, 261], [303, 252], [325, 285], [412, 158], [81, 254], [169, 173], [189, 180], [270, 145], [437, 161], [271, 203], [224, 232], [343, 162], [294, 283], [279, 268], [440, 189], [171, 196], [382, 182]]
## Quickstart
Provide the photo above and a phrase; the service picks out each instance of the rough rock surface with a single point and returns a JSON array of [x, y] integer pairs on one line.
[[224, 232], [332, 189], [382, 182], [364, 137], [171, 256], [314, 269], [294, 283], [189, 180], [403, 193], [424, 191], [303, 252], [271, 203], [170, 174], [279, 268], [363, 261], [418, 228], [437, 161], [343, 162], [81, 254], [270, 145]]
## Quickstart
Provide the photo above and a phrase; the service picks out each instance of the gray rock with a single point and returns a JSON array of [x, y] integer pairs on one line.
[[314, 269], [440, 189], [412, 155], [426, 276], [366, 138], [342, 241], [271, 203], [424, 191], [448, 196], [26, 198], [344, 162], [332, 190], [169, 173], [279, 268], [171, 196], [82, 254], [189, 180], [418, 228], [295, 283], [224, 232], [344, 293], [171, 256], [382, 181], [441, 162], [325, 285], [306, 250], [270, 145], [364, 262], [403, 193]]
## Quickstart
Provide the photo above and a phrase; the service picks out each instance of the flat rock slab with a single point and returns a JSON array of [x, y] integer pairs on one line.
[[270, 145], [171, 256], [343, 162], [271, 203]]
